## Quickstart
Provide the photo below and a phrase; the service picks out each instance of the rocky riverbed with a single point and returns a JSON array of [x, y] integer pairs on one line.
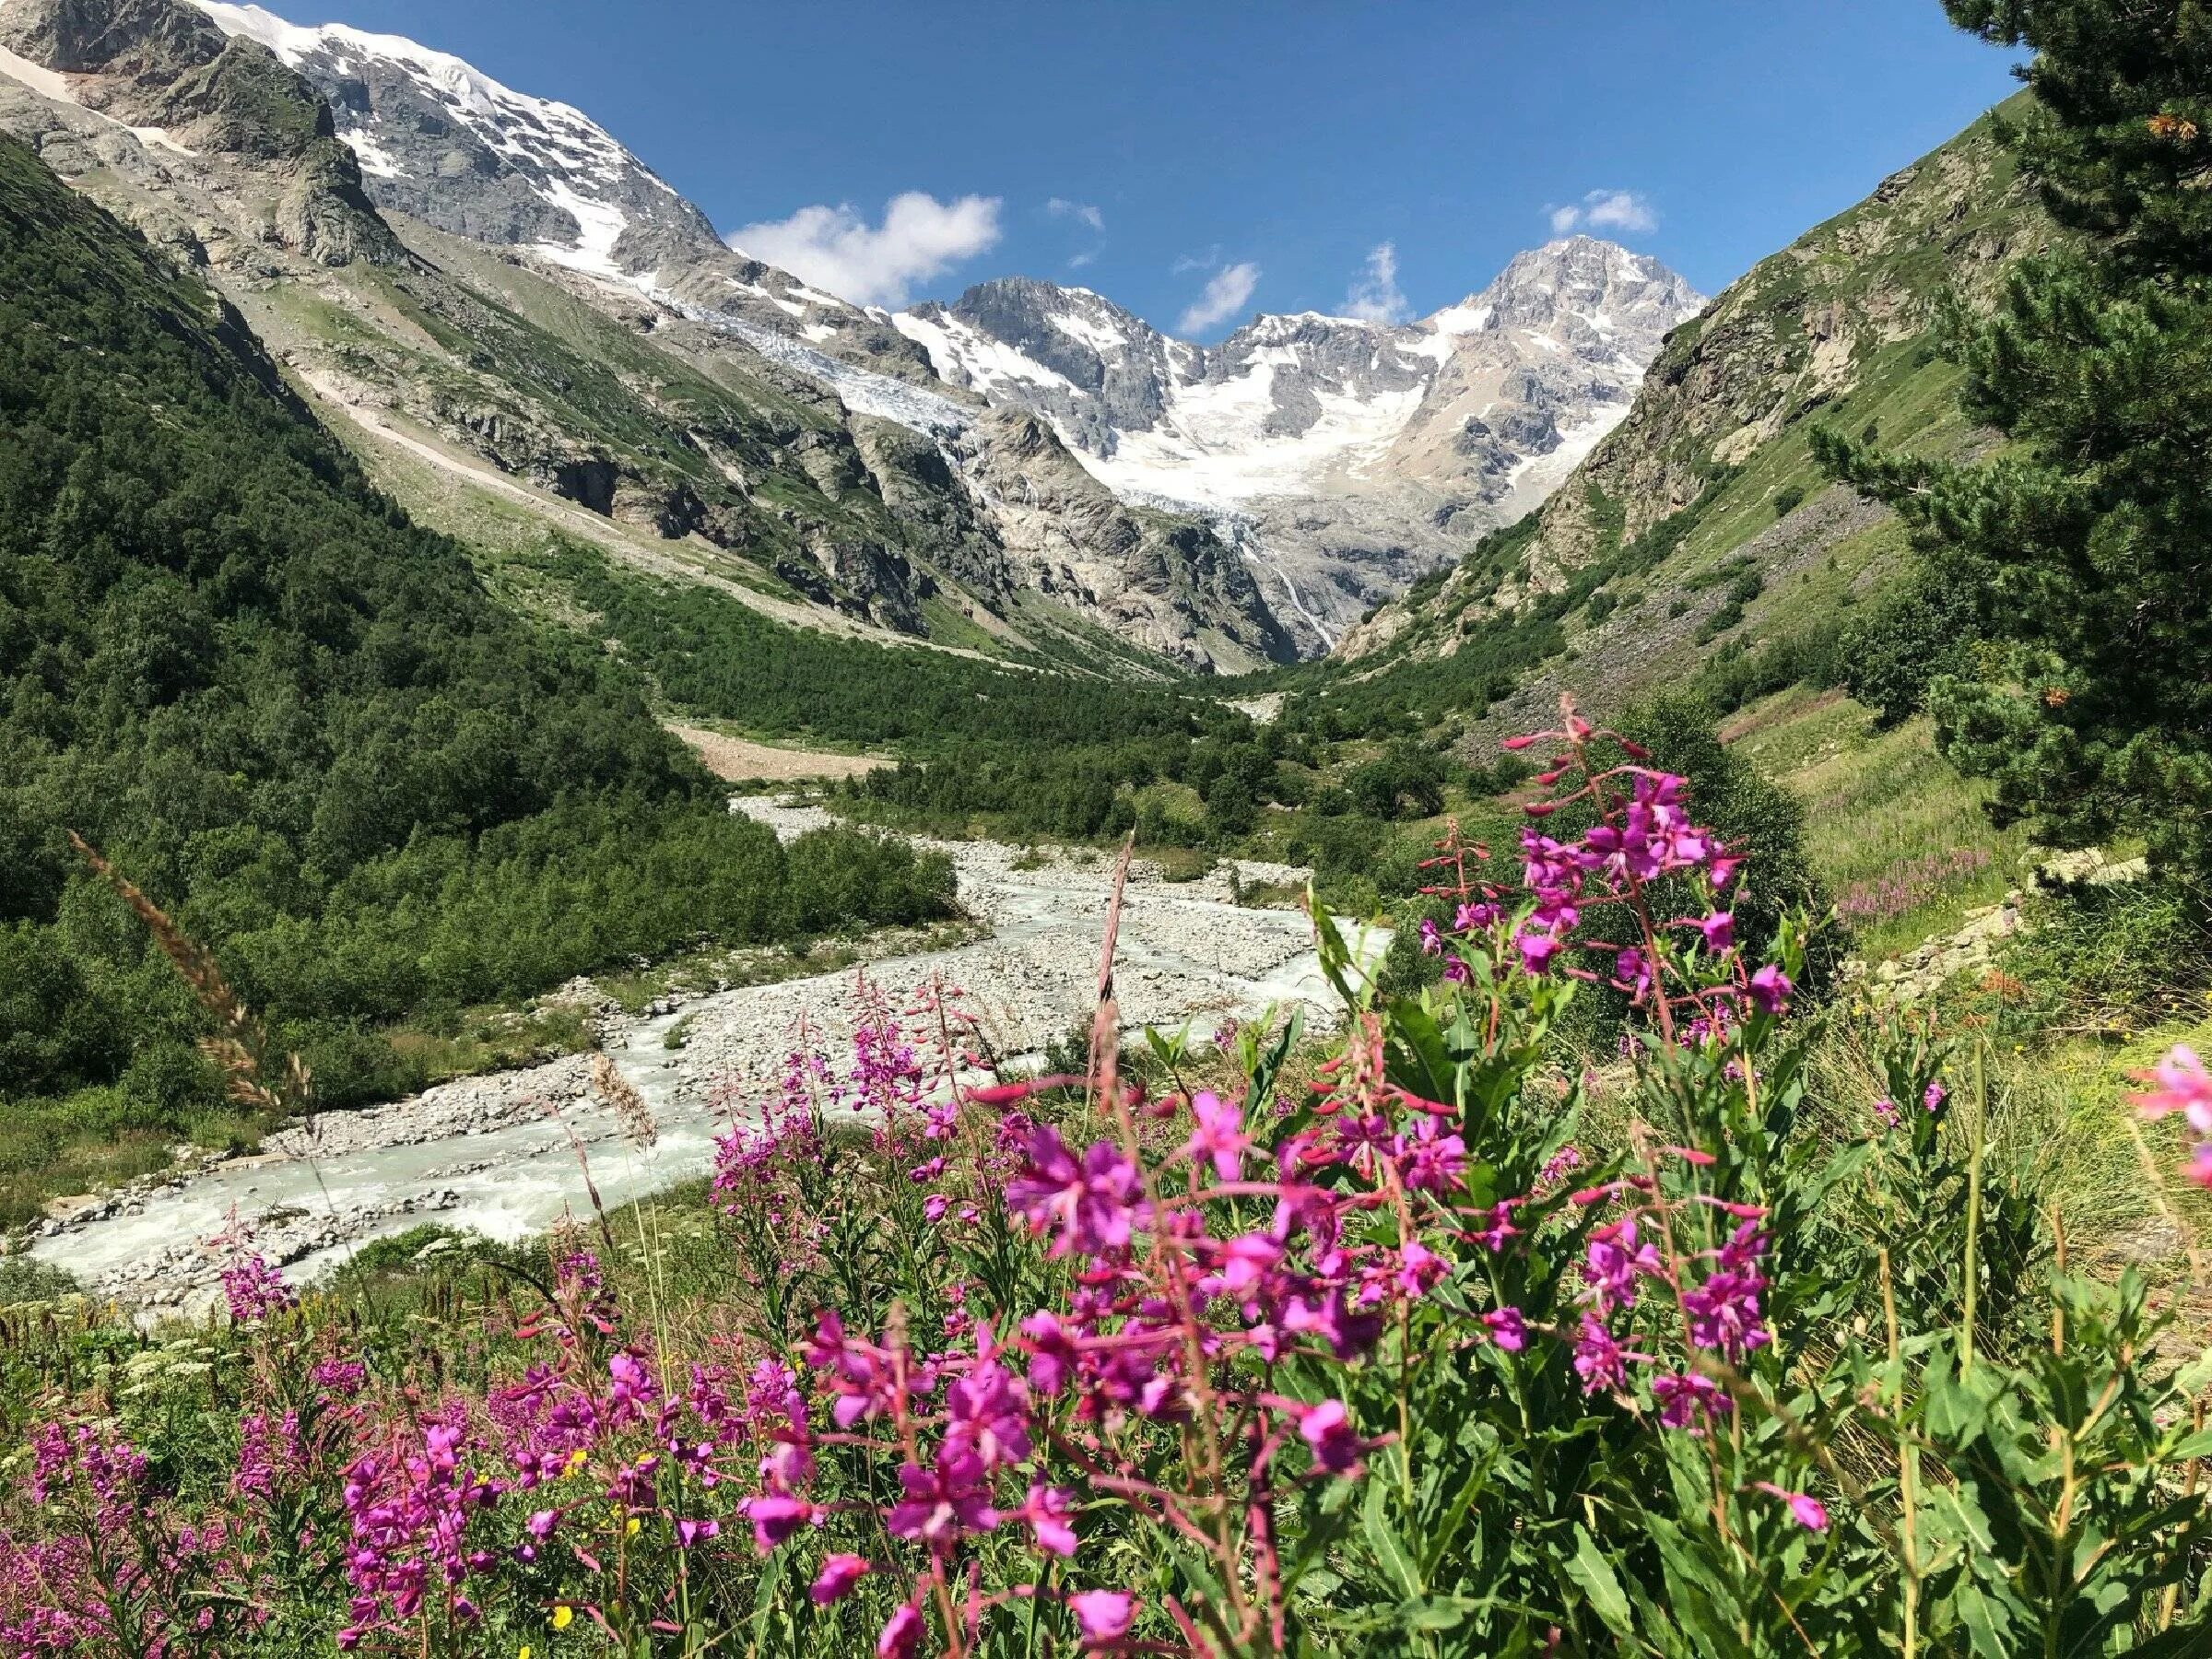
[[503, 1154]]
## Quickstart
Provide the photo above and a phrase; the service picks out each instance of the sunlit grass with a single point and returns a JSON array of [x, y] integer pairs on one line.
[[1897, 834]]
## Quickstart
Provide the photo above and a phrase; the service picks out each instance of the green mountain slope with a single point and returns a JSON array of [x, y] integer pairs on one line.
[[1699, 531], [297, 719]]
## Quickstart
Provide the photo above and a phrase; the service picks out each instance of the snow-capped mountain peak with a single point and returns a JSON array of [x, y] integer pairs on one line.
[[1291, 400], [439, 139], [1347, 449]]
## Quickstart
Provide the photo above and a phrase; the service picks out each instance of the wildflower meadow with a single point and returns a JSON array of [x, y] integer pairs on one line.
[[1398, 1342]]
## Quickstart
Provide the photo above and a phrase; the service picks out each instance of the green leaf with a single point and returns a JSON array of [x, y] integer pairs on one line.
[[1383, 1540], [1590, 1570], [1985, 1624]]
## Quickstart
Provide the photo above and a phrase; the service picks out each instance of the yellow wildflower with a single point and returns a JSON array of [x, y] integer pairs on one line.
[[563, 1617]]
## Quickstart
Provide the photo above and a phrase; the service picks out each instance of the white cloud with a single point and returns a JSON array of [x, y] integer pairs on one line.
[[834, 248], [1605, 210], [1198, 262], [1226, 291], [1375, 295], [1081, 212], [1078, 260]]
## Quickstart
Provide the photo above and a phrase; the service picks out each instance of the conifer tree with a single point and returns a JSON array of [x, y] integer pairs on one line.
[[2087, 538]]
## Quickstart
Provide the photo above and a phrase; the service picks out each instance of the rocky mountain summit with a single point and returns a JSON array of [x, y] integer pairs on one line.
[[1348, 455], [1699, 538]]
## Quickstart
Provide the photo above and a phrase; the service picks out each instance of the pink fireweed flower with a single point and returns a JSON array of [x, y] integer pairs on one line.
[[1599, 1361], [1632, 973], [943, 1501], [1472, 918], [1327, 1427], [1886, 1113], [2178, 1083], [1103, 1616], [1612, 1261], [1719, 930], [838, 1576], [1724, 1314], [1808, 1512], [1493, 1236], [1933, 1097], [1557, 1168], [1432, 942], [985, 1415], [1507, 1329], [1770, 988], [1092, 1205], [1219, 1136], [861, 1375], [1049, 1513], [1456, 971], [1054, 1355], [255, 1291], [1430, 1160], [902, 1633], [1688, 1400], [1348, 1331], [775, 1517], [1536, 951], [1247, 1260]]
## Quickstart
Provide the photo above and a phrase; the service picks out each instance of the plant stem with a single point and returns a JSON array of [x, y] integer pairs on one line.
[[1973, 1212], [1908, 1471]]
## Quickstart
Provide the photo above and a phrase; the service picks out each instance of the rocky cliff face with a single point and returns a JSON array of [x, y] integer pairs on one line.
[[442, 142], [152, 88], [1347, 456]]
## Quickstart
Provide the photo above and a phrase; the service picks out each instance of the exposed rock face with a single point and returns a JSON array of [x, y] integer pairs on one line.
[[1348, 456], [1167, 582], [1269, 488], [442, 142], [249, 156], [453, 147]]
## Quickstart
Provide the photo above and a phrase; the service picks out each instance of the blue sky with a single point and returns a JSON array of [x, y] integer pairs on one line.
[[1200, 160]]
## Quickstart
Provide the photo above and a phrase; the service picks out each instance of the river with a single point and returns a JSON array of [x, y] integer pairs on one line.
[[498, 1155]]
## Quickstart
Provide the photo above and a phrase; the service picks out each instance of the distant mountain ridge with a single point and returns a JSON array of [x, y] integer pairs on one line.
[[1700, 537], [1313, 428]]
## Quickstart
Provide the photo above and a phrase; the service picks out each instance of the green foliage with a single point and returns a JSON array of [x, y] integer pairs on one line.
[[1405, 781], [298, 723], [1924, 629], [2119, 952], [2084, 540]]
